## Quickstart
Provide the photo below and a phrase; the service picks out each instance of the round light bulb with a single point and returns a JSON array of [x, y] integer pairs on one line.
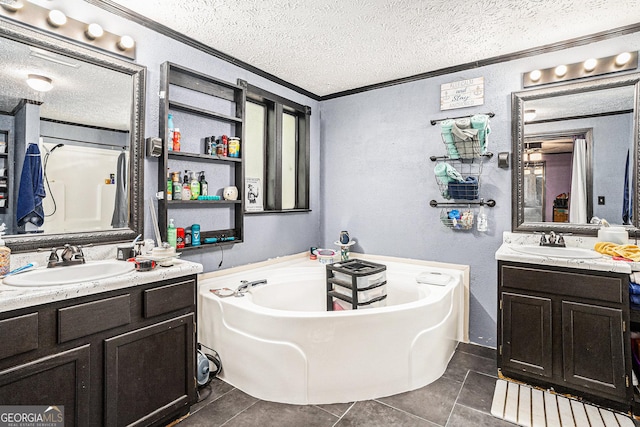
[[590, 64], [561, 70], [13, 6], [126, 42], [623, 58], [56, 18], [39, 83], [94, 31], [535, 75], [529, 115]]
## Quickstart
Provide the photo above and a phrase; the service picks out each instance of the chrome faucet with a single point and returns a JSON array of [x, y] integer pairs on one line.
[[70, 255], [554, 239], [245, 286]]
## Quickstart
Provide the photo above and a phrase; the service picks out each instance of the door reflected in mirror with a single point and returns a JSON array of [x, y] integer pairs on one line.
[[581, 147]]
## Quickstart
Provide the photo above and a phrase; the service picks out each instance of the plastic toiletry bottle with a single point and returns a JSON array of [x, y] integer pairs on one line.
[[176, 139], [169, 186], [5, 253], [482, 219], [177, 186], [172, 234], [195, 235], [186, 187], [170, 138], [195, 186], [204, 185]]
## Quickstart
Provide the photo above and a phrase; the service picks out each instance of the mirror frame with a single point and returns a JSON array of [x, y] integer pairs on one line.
[[518, 137], [30, 242]]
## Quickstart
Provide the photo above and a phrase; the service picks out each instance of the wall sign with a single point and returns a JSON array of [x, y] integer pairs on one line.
[[253, 190], [463, 93]]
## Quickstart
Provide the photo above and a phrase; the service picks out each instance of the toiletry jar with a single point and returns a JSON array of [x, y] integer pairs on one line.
[[617, 235]]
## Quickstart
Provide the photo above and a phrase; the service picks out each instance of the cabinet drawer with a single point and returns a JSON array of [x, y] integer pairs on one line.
[[18, 335], [96, 316], [601, 288], [166, 299]]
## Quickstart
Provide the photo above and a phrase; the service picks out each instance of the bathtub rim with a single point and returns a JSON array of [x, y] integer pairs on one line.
[[464, 269]]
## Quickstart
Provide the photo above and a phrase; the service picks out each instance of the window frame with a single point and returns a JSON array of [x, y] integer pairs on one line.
[[275, 106]]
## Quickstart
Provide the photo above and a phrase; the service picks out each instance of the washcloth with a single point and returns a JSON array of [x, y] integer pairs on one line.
[[31, 190], [447, 137], [120, 207], [631, 252], [634, 288]]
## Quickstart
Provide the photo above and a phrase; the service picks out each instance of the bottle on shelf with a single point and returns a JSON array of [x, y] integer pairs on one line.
[[176, 139], [204, 185], [195, 186], [177, 186], [170, 137], [186, 187], [171, 234], [169, 186]]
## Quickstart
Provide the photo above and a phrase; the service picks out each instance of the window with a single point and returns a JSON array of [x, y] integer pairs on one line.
[[276, 153]]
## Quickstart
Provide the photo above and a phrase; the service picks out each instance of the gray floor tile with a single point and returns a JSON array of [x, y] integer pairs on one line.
[[370, 413], [465, 417], [270, 414], [432, 402], [478, 350], [211, 392], [337, 409], [477, 392], [462, 362], [221, 410]]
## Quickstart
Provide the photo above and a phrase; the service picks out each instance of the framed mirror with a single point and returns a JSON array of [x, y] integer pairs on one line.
[[88, 130], [586, 136]]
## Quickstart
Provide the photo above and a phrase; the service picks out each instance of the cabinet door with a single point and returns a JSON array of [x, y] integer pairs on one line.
[[58, 380], [526, 334], [593, 349], [150, 373]]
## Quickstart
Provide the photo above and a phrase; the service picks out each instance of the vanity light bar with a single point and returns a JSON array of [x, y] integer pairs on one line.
[[55, 21], [591, 67]]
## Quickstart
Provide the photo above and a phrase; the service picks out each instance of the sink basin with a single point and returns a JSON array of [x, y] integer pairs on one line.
[[557, 252], [92, 270]]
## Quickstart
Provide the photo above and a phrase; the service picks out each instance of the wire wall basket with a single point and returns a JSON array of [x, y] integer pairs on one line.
[[458, 179], [471, 148], [457, 219]]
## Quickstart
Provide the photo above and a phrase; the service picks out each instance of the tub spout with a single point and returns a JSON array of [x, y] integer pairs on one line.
[[245, 286]]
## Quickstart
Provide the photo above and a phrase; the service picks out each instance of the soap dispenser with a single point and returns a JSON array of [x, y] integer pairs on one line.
[[186, 187], [172, 234], [195, 186], [204, 185], [482, 219]]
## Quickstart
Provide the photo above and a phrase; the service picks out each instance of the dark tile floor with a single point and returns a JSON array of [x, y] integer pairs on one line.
[[461, 397]]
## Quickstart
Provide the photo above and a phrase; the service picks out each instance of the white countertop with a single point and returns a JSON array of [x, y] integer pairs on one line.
[[603, 263], [12, 297]]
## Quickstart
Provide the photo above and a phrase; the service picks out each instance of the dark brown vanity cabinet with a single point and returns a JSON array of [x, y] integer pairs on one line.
[[124, 357], [566, 329]]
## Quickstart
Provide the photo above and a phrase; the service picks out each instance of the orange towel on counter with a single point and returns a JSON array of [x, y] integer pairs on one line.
[[631, 252]]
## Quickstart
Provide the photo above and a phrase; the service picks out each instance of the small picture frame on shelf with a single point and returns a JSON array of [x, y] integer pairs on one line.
[[253, 192]]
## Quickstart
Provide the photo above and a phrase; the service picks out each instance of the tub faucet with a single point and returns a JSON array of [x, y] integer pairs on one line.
[[245, 286]]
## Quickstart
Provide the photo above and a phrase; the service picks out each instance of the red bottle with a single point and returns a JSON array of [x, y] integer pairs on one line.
[[176, 139]]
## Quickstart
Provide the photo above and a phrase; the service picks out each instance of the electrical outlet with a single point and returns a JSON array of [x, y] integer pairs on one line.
[[601, 200]]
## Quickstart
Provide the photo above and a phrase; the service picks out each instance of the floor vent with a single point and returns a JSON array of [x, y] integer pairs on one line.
[[531, 407]]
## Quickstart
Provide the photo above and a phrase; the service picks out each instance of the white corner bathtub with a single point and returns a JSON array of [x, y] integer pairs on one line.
[[278, 342]]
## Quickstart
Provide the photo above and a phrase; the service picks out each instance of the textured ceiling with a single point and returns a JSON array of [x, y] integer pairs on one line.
[[329, 46]]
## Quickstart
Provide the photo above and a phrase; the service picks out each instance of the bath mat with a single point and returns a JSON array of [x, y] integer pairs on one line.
[[527, 406]]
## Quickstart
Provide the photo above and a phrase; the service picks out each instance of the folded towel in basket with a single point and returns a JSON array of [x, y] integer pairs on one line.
[[467, 190], [481, 122], [447, 173], [447, 137], [463, 133]]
